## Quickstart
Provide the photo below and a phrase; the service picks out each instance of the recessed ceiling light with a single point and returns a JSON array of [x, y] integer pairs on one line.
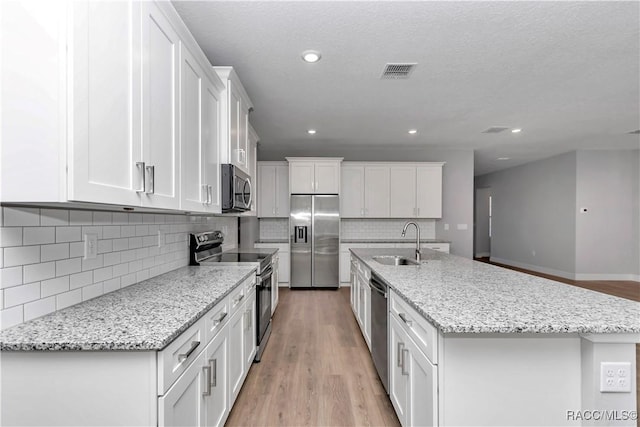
[[311, 56], [503, 158], [516, 130], [311, 131], [413, 131]]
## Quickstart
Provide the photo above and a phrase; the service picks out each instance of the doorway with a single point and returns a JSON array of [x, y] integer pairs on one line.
[[483, 224]]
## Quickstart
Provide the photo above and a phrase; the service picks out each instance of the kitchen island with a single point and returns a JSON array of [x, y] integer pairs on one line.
[[475, 344]]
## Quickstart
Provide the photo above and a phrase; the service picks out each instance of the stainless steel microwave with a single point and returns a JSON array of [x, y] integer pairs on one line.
[[236, 189]]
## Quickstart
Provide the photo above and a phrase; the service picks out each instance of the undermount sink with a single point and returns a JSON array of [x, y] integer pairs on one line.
[[395, 260]]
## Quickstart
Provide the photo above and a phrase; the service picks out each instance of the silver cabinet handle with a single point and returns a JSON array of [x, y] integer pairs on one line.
[[214, 372], [149, 176], [140, 168], [205, 192], [399, 356], [206, 371], [418, 211], [404, 353], [210, 194], [184, 356], [220, 319], [404, 319], [239, 299]]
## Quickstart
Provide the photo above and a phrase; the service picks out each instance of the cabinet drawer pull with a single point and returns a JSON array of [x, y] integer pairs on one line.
[[220, 319], [184, 356], [210, 194], [140, 167], [149, 176], [399, 356], [214, 372], [206, 371], [404, 319], [404, 353]]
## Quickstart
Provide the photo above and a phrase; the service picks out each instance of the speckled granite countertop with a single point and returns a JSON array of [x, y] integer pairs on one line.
[[459, 295], [267, 241], [408, 240], [145, 316]]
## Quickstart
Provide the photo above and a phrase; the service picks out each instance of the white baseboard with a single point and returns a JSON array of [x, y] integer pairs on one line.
[[482, 254], [566, 274], [625, 277], [537, 268]]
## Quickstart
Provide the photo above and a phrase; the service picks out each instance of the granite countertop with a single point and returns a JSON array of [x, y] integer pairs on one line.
[[405, 240], [459, 295], [267, 241], [145, 316]]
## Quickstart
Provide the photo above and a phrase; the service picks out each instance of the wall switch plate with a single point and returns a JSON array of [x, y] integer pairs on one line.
[[90, 246], [615, 377], [462, 226]]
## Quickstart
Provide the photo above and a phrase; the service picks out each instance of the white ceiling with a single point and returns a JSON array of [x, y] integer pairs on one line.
[[567, 73]]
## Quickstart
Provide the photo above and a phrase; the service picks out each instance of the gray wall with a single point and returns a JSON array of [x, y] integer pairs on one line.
[[534, 219], [482, 243], [608, 234], [457, 182]]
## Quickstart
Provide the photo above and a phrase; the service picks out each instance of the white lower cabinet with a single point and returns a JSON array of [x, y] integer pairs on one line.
[[274, 283], [361, 297], [284, 258], [236, 351], [217, 407]]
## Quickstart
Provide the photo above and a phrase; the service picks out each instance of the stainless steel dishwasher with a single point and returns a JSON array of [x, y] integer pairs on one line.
[[379, 313]]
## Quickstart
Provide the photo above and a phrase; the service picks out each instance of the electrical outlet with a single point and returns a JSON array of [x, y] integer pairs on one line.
[[615, 377], [90, 246]]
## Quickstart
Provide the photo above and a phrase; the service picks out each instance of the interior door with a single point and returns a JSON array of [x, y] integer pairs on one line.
[[326, 237], [300, 231]]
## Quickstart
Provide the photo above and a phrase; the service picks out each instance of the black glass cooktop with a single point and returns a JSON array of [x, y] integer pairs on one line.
[[242, 257]]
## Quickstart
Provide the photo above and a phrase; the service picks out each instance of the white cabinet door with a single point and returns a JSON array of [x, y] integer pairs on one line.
[[211, 116], [422, 389], [184, 404], [367, 312], [345, 266], [282, 191], [194, 193], [160, 105], [301, 177], [429, 191], [274, 284], [377, 191], [105, 108], [217, 408], [352, 192], [327, 178], [249, 334], [397, 373], [403, 196], [243, 137], [236, 354], [284, 267], [267, 185]]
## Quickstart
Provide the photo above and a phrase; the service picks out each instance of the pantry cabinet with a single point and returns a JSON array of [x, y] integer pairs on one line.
[[273, 190], [235, 120], [308, 175]]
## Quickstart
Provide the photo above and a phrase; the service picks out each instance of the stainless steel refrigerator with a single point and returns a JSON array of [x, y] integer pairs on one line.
[[314, 226]]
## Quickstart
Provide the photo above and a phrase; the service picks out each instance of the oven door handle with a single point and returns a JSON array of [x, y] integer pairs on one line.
[[264, 277]]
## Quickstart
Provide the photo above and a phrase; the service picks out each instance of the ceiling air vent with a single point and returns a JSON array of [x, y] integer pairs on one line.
[[634, 132], [495, 129], [397, 71]]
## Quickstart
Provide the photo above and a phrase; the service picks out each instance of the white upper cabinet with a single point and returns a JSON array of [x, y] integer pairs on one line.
[[308, 175], [252, 160], [403, 200], [273, 190], [160, 106], [235, 120], [105, 136], [199, 137], [429, 191], [365, 190]]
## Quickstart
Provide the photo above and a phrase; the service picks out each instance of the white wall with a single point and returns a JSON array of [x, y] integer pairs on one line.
[[41, 255], [482, 242], [534, 214], [457, 183], [608, 234], [536, 208]]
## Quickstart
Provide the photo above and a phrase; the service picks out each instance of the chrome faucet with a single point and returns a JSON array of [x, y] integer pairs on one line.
[[404, 231]]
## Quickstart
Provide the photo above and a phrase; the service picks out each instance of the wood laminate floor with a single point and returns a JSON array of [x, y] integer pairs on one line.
[[316, 369]]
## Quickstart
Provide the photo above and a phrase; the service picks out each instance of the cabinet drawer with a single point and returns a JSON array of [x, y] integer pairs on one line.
[[174, 359], [364, 271], [236, 298], [250, 284], [216, 318], [418, 328], [441, 247]]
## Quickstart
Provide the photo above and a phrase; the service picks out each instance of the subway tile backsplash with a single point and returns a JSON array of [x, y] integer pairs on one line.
[[42, 268], [274, 228], [371, 229]]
